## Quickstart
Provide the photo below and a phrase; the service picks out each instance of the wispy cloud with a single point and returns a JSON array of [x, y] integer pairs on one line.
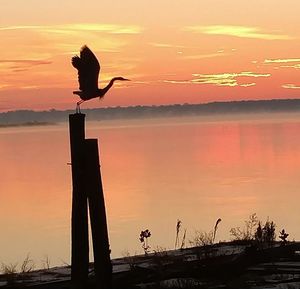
[[248, 84], [67, 28], [202, 56], [52, 40], [291, 86], [2, 86], [222, 79], [25, 61], [238, 31], [220, 52], [20, 65], [282, 60], [165, 45], [296, 66], [29, 87]]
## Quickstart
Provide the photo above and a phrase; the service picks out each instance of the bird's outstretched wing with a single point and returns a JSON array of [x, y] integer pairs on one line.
[[88, 69]]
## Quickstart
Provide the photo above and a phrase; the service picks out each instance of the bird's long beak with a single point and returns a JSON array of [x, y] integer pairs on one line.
[[126, 79]]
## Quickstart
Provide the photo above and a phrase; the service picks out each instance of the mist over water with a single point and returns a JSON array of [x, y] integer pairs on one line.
[[154, 172]]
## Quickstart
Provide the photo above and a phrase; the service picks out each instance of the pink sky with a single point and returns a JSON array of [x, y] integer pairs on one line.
[[190, 51]]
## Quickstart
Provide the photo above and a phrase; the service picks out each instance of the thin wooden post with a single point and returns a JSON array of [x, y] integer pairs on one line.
[[102, 262], [79, 234]]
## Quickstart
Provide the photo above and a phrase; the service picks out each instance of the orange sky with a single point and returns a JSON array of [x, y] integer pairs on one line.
[[173, 51]]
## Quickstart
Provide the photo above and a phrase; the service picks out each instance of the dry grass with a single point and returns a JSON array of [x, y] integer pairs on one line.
[[27, 265], [46, 262], [9, 269], [202, 239]]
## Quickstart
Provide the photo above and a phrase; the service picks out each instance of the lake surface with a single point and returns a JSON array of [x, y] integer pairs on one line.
[[154, 172]]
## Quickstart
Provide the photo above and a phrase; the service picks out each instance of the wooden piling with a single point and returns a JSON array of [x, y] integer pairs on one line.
[[94, 189], [79, 226]]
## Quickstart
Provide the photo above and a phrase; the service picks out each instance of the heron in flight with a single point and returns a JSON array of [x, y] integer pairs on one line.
[[88, 72]]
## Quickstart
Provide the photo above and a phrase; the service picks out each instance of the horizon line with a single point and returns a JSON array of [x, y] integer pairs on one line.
[[156, 105]]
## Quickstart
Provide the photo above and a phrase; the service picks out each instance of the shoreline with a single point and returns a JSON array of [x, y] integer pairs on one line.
[[242, 263]]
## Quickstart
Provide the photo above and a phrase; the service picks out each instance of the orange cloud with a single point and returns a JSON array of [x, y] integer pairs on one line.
[[166, 45], [68, 28], [222, 79], [202, 56], [282, 60], [248, 84], [24, 62], [296, 66], [238, 31], [20, 65], [30, 87], [291, 86], [59, 39], [2, 86], [291, 62]]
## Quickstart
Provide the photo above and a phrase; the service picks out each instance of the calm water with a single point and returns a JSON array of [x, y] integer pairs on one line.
[[154, 172]]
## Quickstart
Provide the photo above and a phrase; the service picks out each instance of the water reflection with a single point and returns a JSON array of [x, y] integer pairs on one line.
[[154, 172]]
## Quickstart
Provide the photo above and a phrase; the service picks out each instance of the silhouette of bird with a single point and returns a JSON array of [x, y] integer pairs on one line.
[[88, 72]]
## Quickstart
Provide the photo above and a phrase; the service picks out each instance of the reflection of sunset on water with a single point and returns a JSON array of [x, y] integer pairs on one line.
[[154, 172]]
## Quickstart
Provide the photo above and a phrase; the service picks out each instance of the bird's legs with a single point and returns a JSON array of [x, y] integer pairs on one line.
[[78, 106]]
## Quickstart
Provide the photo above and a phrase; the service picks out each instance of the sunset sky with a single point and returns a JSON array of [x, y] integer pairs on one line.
[[190, 51]]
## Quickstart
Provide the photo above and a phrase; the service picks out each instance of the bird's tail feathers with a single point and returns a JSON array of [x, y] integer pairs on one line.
[[78, 92]]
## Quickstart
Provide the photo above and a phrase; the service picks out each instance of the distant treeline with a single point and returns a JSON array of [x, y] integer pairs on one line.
[[176, 110], [29, 123]]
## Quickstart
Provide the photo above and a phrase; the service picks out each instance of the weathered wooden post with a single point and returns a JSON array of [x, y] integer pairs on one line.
[[102, 262], [79, 234]]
